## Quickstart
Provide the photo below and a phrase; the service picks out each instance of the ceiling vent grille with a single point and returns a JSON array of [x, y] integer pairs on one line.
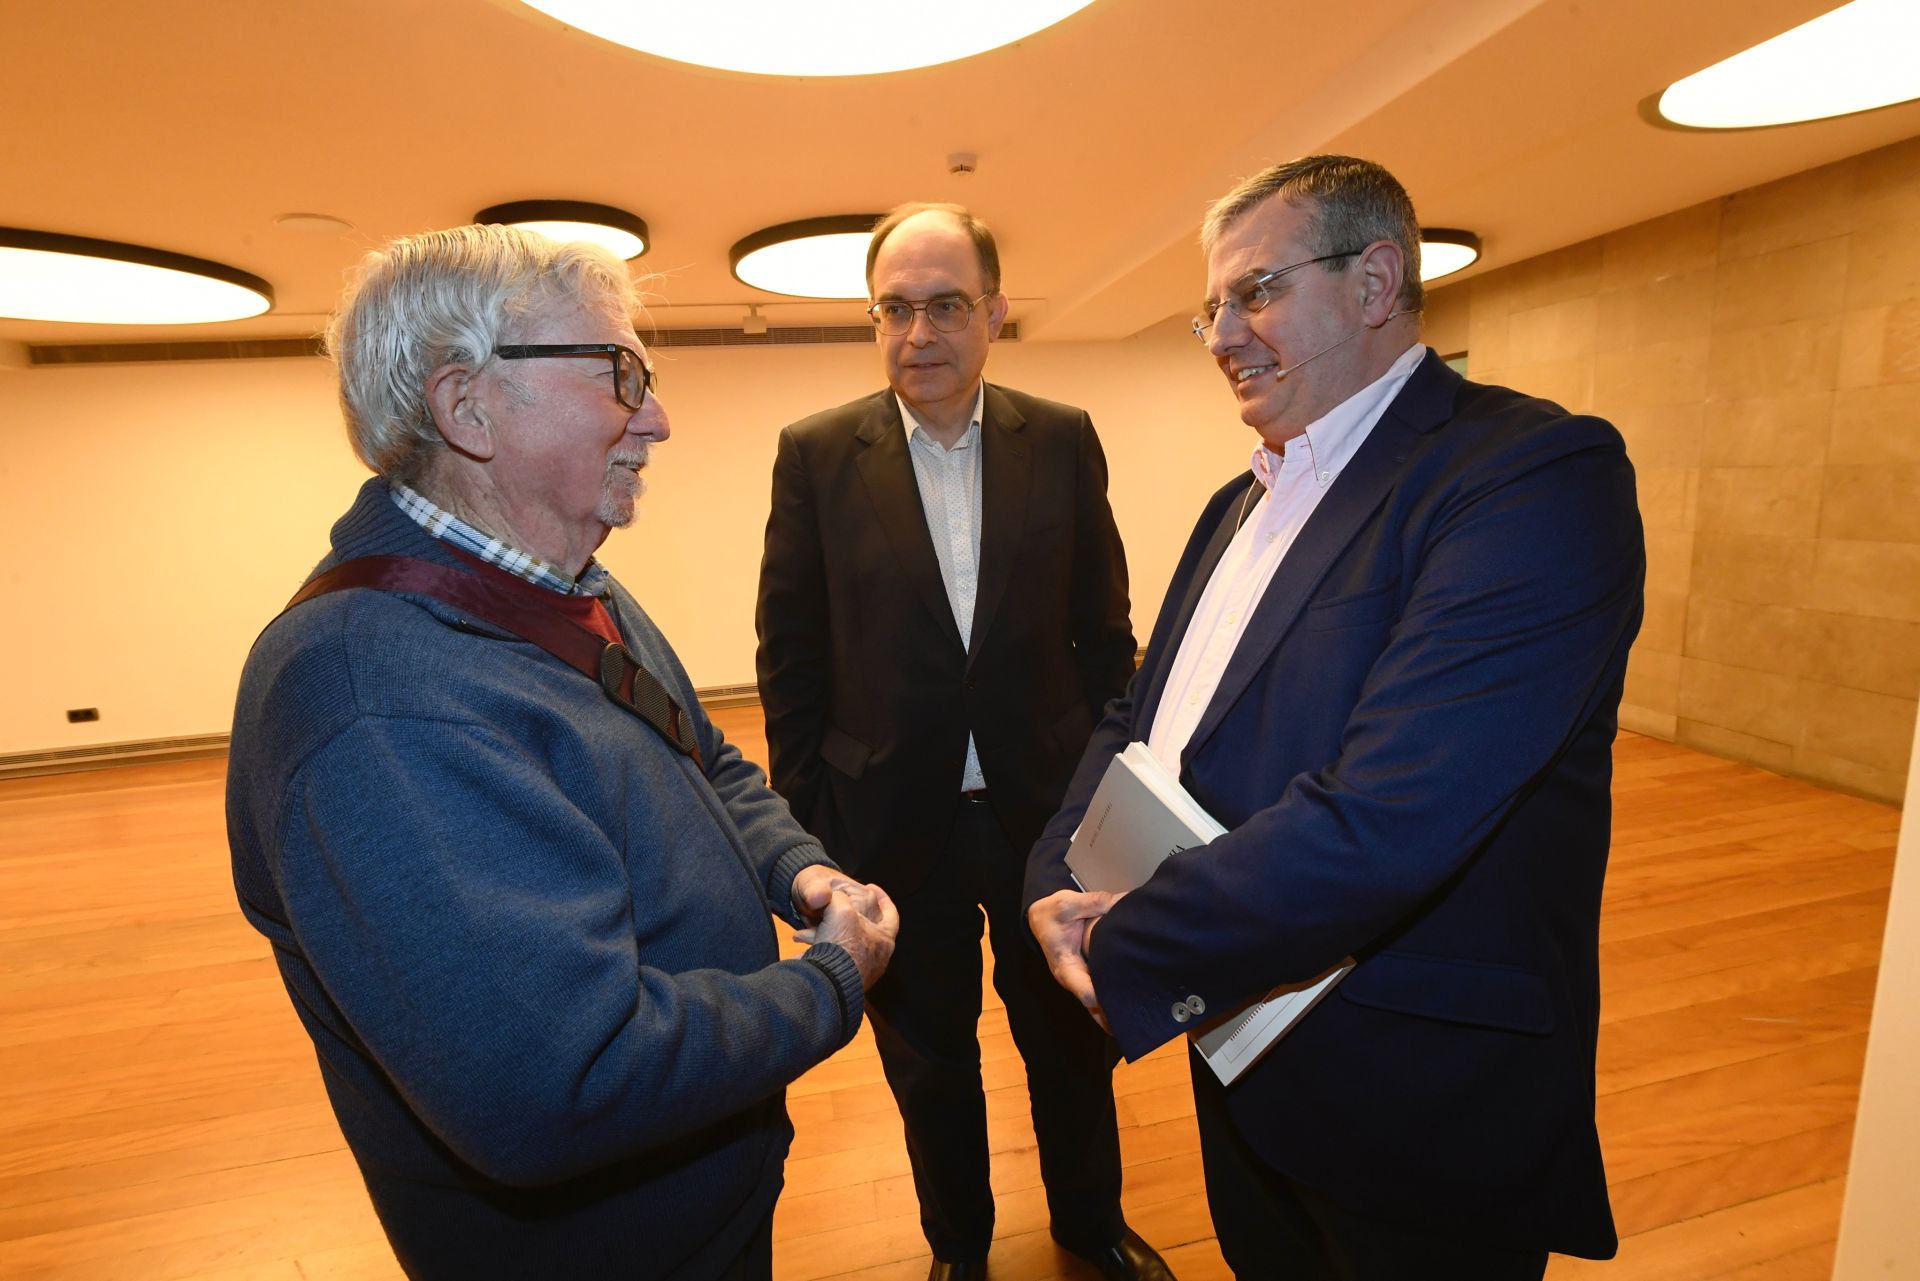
[[792, 336], [788, 336], [146, 353]]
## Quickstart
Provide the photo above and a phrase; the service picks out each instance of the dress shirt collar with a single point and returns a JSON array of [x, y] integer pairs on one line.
[[916, 428], [449, 528], [1330, 441]]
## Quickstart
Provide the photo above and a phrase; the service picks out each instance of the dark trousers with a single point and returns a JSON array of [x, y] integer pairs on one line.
[[1271, 1226], [755, 1262], [926, 1012]]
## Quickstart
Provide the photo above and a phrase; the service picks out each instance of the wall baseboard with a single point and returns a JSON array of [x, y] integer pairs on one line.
[[67, 760]]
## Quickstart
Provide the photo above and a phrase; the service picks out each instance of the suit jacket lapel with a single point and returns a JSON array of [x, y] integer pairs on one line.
[[887, 473], [1422, 405], [1223, 532], [1006, 477]]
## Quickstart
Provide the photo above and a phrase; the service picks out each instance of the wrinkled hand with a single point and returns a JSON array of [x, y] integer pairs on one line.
[[813, 886], [1062, 922], [859, 918]]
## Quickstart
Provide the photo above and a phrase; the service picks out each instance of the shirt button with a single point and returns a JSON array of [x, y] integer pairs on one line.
[[1326, 476], [1233, 616], [1193, 698]]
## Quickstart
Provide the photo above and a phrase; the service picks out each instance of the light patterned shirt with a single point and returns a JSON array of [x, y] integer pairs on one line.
[[949, 481], [449, 528]]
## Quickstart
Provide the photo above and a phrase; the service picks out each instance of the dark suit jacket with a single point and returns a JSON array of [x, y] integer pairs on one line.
[[869, 694], [1411, 751]]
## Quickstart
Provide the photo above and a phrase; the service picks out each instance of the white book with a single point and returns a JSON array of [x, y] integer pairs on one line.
[[1138, 816]]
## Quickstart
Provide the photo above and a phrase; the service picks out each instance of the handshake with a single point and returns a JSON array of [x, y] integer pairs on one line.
[[838, 909]]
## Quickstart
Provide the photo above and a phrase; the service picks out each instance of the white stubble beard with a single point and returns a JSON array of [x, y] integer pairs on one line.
[[624, 486]]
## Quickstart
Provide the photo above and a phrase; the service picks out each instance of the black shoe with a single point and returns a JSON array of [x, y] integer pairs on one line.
[[1128, 1259], [965, 1270]]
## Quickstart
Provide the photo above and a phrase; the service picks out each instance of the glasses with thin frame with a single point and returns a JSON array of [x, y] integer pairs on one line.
[[633, 378], [1249, 295], [949, 313]]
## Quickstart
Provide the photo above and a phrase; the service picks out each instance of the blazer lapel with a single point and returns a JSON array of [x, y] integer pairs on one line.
[[1422, 405], [1006, 477], [1229, 524], [887, 473]]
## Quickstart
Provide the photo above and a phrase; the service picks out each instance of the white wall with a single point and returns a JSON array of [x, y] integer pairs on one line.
[[153, 517], [1879, 1230]]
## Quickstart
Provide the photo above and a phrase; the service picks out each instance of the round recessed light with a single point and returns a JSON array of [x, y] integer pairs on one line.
[[1858, 57], [782, 38], [812, 258], [318, 223], [78, 280], [1445, 250], [610, 228]]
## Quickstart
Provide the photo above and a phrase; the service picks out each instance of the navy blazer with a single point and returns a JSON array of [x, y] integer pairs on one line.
[[1411, 749]]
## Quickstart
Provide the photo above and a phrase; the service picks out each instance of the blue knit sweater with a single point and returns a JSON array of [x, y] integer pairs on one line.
[[531, 941]]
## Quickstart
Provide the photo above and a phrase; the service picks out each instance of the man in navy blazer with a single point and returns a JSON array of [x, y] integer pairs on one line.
[[1390, 664]]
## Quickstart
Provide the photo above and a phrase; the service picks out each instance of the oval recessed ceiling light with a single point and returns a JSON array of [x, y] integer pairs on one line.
[[78, 280], [1445, 250], [1856, 58], [318, 223], [812, 258], [603, 225], [784, 38]]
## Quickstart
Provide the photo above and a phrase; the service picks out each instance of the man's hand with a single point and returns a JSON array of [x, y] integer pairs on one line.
[[859, 918], [814, 886], [1062, 922]]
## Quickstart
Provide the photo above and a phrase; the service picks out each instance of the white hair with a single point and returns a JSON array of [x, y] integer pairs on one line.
[[441, 298]]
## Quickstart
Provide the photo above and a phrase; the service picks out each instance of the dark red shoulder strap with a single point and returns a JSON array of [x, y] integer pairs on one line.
[[625, 680]]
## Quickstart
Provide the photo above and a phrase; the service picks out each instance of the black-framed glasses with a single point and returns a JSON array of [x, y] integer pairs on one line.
[[1249, 295], [633, 378], [949, 313]]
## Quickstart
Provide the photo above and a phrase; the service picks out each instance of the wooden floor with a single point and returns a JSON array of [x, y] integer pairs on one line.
[[161, 1117]]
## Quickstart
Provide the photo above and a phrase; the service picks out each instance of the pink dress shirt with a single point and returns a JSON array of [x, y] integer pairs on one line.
[[1289, 485]]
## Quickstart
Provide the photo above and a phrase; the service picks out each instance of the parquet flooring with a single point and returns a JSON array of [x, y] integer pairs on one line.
[[161, 1117]]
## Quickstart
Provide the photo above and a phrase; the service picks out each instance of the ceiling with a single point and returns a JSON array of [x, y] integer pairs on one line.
[[191, 125]]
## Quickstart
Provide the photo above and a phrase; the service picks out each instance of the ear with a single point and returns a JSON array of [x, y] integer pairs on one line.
[[458, 415], [996, 316], [1382, 268]]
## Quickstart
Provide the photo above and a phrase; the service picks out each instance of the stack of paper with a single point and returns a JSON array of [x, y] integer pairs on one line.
[[1138, 816]]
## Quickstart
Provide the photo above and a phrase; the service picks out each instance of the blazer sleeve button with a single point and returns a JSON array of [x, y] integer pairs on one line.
[[1180, 1012]]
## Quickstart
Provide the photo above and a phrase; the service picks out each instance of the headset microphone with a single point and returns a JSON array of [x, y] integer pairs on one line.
[[1282, 373]]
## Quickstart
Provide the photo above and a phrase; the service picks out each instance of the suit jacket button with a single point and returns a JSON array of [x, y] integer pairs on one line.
[[1180, 1012]]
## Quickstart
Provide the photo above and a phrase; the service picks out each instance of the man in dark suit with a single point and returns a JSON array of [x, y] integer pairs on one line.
[[1389, 663], [942, 618]]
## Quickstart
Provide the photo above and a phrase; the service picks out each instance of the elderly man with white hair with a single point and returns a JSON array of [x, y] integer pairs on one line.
[[517, 884]]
